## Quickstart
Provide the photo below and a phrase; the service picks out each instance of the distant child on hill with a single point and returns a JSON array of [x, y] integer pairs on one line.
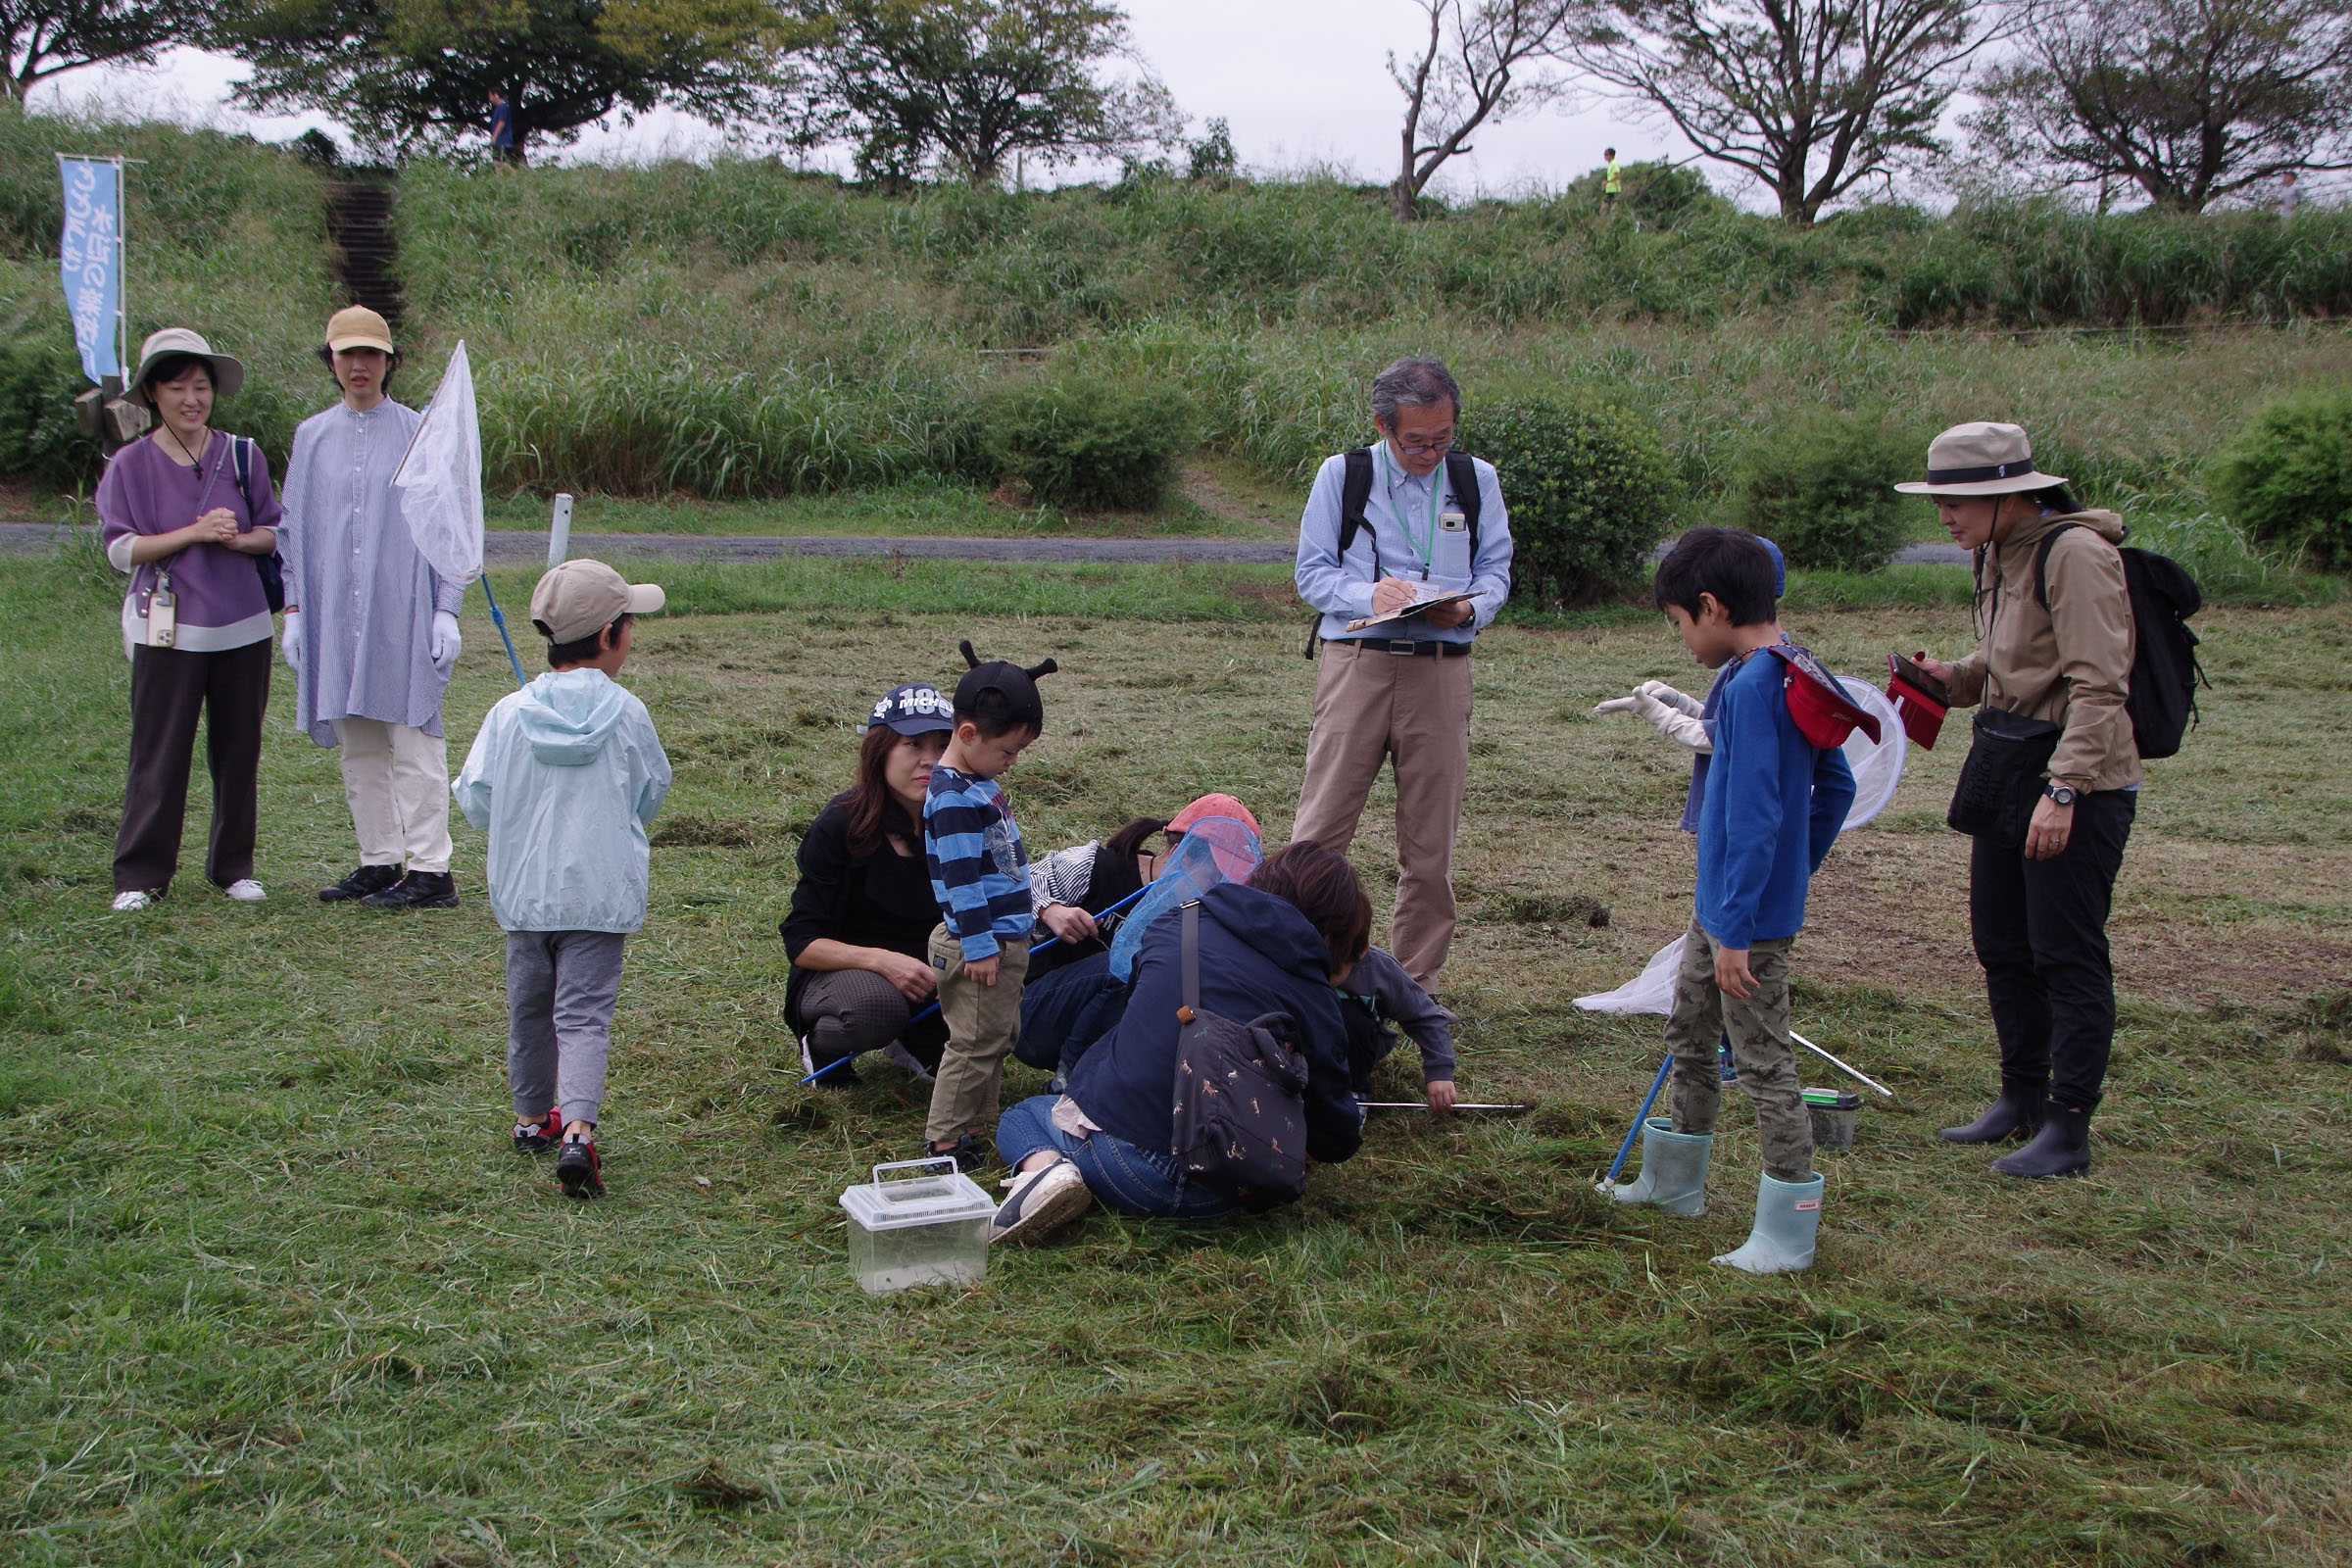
[[565, 775], [980, 876], [1768, 806]]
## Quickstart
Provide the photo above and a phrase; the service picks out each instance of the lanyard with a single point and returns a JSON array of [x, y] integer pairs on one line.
[[1428, 547]]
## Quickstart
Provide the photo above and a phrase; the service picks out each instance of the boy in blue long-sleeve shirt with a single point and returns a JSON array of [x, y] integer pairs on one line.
[[1767, 810], [980, 877]]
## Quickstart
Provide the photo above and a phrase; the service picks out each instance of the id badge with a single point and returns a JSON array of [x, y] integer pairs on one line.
[[1453, 522], [163, 618]]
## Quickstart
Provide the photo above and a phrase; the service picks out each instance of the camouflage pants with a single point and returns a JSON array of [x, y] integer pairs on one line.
[[1758, 1029]]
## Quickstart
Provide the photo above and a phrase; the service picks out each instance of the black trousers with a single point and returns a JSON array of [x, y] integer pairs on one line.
[[2040, 932], [169, 688]]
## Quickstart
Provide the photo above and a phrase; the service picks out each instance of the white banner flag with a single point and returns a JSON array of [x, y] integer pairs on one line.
[[440, 480]]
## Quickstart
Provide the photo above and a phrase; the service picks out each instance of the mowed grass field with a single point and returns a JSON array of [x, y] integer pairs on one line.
[[273, 1289]]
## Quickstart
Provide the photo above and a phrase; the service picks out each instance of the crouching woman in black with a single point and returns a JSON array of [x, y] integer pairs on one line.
[[1281, 943], [859, 932]]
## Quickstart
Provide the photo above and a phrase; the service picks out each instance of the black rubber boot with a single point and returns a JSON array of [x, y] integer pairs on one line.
[[2061, 1149], [2018, 1110]]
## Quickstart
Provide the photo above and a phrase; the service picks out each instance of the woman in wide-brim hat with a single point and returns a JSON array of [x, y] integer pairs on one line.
[[188, 513], [2051, 783]]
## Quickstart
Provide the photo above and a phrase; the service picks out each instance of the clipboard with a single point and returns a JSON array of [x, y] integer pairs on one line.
[[1367, 622]]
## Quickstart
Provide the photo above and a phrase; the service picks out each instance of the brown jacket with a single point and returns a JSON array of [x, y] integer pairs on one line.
[[2070, 663]]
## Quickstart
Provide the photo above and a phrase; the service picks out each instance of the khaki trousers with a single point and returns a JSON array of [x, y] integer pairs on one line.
[[1761, 1051], [396, 779], [983, 1022], [1372, 708]]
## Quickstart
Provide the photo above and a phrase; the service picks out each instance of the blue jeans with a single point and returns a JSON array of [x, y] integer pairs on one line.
[[1122, 1174]]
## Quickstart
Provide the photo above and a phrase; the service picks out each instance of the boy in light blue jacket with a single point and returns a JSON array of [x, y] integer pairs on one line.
[[565, 775]]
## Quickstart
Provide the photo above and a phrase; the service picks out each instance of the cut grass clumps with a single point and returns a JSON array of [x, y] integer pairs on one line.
[[1589, 487], [1091, 444], [1822, 487], [2286, 479]]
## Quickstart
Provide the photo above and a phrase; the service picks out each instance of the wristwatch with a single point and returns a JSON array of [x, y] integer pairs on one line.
[[2059, 794]]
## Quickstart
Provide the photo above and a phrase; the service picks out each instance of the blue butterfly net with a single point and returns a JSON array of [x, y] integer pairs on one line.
[[1215, 849]]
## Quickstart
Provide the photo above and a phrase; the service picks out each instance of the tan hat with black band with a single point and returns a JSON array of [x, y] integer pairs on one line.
[[171, 342], [1981, 459]]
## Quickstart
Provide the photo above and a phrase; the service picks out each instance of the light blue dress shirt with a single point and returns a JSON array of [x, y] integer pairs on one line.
[[1398, 527], [367, 595]]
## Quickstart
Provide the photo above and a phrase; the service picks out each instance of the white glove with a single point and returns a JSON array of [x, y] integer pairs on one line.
[[1672, 697], [290, 642], [446, 644], [1680, 727]]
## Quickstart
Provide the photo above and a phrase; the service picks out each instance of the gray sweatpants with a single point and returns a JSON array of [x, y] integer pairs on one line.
[[561, 988]]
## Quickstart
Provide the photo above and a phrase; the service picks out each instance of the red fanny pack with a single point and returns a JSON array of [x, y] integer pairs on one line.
[[1919, 697], [1824, 715]]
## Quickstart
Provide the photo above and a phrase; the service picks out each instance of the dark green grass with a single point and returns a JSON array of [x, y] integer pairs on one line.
[[272, 1290], [918, 507]]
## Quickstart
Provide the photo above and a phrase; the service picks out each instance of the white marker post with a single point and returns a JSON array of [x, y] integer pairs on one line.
[[559, 531]]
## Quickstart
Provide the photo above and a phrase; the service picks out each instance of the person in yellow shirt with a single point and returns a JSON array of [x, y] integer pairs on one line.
[[1612, 185]]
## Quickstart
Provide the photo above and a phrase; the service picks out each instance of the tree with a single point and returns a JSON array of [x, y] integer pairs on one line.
[[409, 73], [1812, 97], [1481, 61], [2190, 100], [47, 37], [965, 85]]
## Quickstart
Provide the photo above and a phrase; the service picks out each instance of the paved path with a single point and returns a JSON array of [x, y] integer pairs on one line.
[[508, 547]]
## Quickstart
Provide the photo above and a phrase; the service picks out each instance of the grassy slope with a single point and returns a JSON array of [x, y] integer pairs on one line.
[[270, 1287]]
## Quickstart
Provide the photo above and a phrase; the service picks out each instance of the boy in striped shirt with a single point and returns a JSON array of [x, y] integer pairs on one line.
[[980, 877]]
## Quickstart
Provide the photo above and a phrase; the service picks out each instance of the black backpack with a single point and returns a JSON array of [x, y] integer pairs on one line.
[[1355, 490], [1241, 1108], [2165, 673]]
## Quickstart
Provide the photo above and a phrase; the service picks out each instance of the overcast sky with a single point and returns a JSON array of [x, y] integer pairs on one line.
[[1303, 81]]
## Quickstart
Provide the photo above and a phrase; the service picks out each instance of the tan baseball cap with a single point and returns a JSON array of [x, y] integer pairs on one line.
[[356, 326], [580, 597]]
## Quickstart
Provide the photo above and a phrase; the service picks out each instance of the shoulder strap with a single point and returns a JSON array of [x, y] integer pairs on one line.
[[1461, 472], [1355, 492], [240, 452], [1189, 961], [2041, 563]]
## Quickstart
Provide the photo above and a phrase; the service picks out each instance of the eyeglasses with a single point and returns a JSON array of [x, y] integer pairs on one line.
[[1422, 449]]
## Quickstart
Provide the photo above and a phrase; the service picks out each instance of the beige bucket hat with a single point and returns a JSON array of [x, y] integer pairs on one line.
[[1981, 459], [356, 326], [229, 374]]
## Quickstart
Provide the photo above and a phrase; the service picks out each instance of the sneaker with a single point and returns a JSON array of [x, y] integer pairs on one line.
[[132, 902], [968, 1153], [1725, 1067], [418, 890], [537, 1138], [899, 1056], [1040, 1202], [245, 890], [845, 1076], [363, 880], [579, 1170]]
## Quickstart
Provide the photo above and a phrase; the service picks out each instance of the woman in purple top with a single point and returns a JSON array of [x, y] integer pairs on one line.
[[187, 511]]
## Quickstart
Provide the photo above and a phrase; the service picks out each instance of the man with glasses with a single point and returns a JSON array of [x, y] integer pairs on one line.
[[1403, 521]]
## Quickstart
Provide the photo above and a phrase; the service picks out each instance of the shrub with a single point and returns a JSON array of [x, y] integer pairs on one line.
[[1821, 488], [1092, 445], [2287, 477], [1589, 491]]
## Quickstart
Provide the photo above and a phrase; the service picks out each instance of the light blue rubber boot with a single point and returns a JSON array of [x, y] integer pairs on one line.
[[1674, 1170], [1787, 1219]]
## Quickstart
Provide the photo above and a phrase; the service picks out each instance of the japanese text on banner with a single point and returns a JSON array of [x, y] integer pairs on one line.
[[90, 259]]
